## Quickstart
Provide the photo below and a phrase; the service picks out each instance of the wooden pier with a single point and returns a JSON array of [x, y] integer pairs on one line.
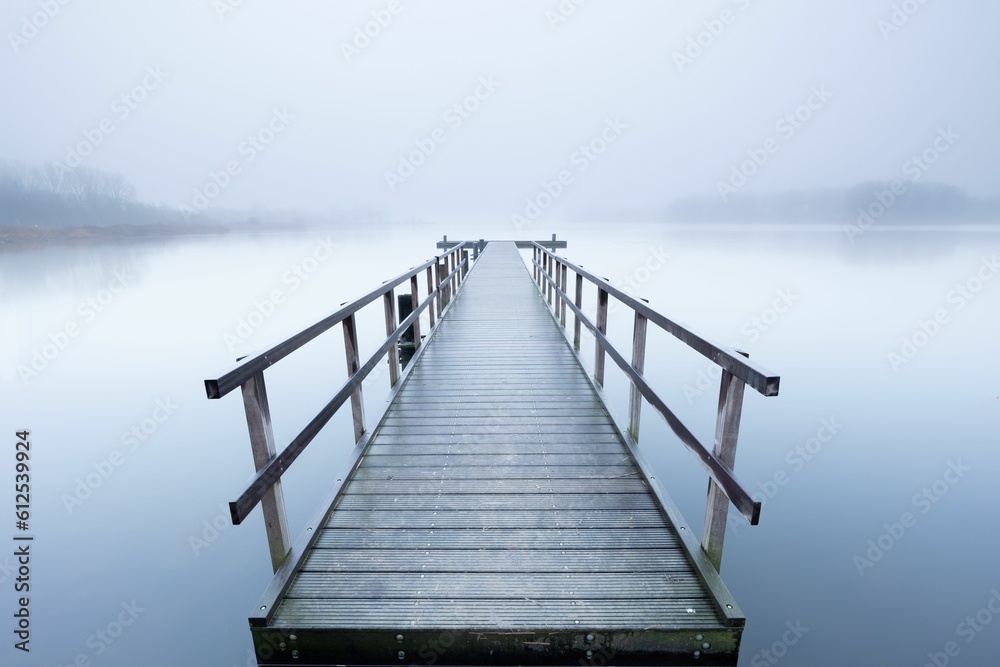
[[497, 513]]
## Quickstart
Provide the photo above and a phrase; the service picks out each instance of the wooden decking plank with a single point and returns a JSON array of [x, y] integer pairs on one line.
[[497, 586], [394, 487], [510, 538], [479, 502], [489, 519], [507, 472]]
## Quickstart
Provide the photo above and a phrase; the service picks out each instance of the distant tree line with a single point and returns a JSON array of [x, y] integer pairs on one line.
[[898, 201], [51, 195]]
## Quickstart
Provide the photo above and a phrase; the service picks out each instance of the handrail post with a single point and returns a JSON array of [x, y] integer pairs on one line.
[[562, 301], [389, 300], [534, 266], [442, 281], [555, 288], [638, 363], [450, 269], [727, 428], [438, 288], [465, 264], [262, 444], [602, 326], [353, 364], [549, 271], [576, 318], [430, 290], [414, 304]]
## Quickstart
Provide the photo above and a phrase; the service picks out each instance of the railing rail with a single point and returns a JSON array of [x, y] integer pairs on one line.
[[551, 275], [445, 275]]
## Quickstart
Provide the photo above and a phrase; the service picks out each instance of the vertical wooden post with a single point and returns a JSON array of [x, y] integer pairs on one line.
[[430, 290], [555, 288], [415, 303], [550, 271], [562, 302], [389, 301], [450, 269], [602, 326], [534, 266], [579, 304], [727, 428], [262, 444], [353, 364], [437, 282], [465, 264], [442, 280], [638, 363]]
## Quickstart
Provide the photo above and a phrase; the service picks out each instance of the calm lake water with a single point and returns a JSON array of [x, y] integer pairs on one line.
[[877, 463]]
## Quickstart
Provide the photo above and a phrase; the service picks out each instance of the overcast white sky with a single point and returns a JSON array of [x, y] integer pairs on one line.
[[558, 85]]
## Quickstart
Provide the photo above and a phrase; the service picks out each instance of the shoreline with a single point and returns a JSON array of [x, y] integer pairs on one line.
[[23, 236]]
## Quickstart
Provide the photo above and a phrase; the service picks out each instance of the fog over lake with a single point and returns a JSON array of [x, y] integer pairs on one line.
[[182, 185]]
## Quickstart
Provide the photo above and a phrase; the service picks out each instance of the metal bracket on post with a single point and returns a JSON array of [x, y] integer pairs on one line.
[[727, 428], [262, 445]]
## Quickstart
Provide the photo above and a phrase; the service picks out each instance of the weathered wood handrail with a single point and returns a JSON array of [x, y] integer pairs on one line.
[[753, 374], [265, 487], [230, 380], [550, 273]]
